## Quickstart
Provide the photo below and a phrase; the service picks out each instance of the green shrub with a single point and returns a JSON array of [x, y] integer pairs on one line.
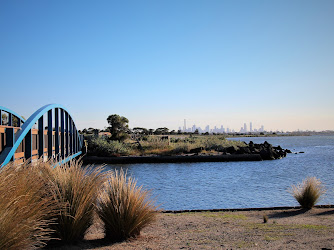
[[123, 207], [308, 192], [76, 193], [26, 207], [103, 147]]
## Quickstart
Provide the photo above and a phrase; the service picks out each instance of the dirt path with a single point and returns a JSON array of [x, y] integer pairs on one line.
[[285, 229]]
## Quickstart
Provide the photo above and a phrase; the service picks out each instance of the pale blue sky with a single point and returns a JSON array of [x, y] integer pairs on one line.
[[159, 62]]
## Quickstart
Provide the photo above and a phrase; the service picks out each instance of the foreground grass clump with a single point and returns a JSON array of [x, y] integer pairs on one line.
[[26, 207], [76, 193], [308, 192], [124, 207]]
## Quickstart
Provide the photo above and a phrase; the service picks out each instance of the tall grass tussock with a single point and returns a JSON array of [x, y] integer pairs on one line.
[[41, 204], [308, 192], [26, 207], [76, 191], [124, 207]]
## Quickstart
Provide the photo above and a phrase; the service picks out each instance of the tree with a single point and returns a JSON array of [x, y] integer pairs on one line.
[[119, 127], [96, 131], [161, 131], [138, 130], [15, 121], [4, 119]]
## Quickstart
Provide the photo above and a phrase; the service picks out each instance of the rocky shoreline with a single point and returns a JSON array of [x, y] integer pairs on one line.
[[251, 152], [266, 150]]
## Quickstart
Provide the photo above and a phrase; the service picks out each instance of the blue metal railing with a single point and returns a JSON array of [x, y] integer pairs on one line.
[[67, 141]]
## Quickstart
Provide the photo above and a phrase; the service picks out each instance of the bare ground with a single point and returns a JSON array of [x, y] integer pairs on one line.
[[285, 229]]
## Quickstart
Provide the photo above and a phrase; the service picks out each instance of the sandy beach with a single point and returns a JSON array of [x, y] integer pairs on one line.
[[285, 229]]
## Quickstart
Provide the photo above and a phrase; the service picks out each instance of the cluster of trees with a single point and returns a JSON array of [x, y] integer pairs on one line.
[[144, 131], [119, 129], [91, 131]]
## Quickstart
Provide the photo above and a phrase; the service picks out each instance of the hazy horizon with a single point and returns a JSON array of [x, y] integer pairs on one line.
[[160, 62]]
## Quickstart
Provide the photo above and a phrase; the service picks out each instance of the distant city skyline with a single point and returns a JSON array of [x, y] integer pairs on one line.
[[160, 62], [221, 129]]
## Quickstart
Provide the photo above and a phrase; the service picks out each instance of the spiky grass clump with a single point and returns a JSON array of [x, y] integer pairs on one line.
[[308, 192], [26, 207], [124, 207], [76, 192]]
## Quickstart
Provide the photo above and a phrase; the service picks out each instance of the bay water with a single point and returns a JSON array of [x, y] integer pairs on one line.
[[216, 185]]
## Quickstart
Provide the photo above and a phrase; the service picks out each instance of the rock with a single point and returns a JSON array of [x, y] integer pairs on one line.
[[267, 154], [230, 150], [243, 150], [196, 150], [265, 150]]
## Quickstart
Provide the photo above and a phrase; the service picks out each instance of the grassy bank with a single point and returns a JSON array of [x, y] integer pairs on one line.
[[161, 145]]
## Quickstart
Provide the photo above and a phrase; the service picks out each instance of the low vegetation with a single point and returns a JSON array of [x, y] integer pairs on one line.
[[124, 207], [40, 204], [308, 192], [100, 146], [160, 145]]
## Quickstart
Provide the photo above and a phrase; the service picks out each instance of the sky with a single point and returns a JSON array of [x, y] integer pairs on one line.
[[160, 62]]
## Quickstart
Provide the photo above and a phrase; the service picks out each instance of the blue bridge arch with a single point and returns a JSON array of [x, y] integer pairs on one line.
[[60, 139]]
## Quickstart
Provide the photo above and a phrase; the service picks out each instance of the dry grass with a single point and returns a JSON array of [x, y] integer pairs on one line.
[[124, 208], [26, 206], [308, 192], [76, 193], [154, 145]]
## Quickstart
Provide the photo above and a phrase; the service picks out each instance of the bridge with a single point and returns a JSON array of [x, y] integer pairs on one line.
[[48, 133]]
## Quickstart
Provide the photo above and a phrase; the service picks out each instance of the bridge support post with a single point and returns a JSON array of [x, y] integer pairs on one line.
[[71, 136], [66, 134], [41, 137], [28, 145], [62, 135], [0, 117], [50, 134], [57, 133], [74, 139], [10, 138]]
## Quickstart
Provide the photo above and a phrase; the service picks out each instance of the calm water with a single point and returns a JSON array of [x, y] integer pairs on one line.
[[240, 184]]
